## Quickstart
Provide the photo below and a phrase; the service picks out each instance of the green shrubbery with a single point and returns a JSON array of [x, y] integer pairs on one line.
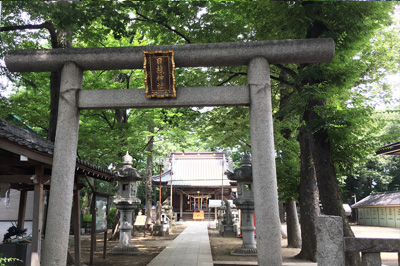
[[4, 261]]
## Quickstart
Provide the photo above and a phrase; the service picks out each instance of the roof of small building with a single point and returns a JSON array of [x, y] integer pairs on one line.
[[379, 199], [35, 142], [391, 149], [195, 169]]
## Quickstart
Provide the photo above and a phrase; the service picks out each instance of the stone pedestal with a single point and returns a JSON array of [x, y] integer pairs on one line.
[[125, 232], [228, 231], [249, 246], [329, 232]]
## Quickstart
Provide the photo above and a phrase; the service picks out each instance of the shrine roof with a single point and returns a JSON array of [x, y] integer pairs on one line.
[[43, 149], [195, 169], [390, 198], [391, 149]]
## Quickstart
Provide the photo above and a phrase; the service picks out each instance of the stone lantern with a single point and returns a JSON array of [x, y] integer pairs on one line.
[[245, 202], [126, 202]]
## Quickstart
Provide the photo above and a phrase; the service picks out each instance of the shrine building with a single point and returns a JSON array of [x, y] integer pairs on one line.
[[195, 178]]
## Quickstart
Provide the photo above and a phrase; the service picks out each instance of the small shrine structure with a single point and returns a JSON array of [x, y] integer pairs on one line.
[[194, 178], [26, 171]]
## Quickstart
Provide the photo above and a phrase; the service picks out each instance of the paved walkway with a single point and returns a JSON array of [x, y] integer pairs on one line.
[[191, 247]]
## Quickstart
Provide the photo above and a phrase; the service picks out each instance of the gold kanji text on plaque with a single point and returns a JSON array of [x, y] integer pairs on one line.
[[159, 69]]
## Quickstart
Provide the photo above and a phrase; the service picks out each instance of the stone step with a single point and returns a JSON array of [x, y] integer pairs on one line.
[[234, 263]]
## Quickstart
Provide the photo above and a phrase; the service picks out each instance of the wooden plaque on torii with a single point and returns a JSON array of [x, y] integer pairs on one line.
[[159, 68]]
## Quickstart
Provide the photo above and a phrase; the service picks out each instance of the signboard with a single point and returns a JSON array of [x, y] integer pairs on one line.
[[159, 69], [140, 220], [217, 203], [101, 213], [214, 203]]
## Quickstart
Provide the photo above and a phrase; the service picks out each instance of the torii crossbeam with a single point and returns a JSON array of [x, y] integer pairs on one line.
[[257, 95]]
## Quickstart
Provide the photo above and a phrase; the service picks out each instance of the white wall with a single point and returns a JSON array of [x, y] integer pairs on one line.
[[9, 213]]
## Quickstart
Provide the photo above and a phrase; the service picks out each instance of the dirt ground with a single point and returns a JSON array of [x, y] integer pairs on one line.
[[222, 247], [151, 246]]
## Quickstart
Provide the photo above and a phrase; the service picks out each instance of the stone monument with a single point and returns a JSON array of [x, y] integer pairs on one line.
[[245, 202], [220, 217], [226, 227], [160, 228], [167, 211], [126, 202]]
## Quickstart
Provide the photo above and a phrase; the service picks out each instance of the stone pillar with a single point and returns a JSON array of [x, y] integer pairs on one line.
[[248, 231], [264, 173], [330, 244], [371, 259], [64, 163], [125, 225]]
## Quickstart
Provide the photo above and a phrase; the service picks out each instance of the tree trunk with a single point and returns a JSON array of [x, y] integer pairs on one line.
[[149, 180], [293, 226], [308, 199], [121, 116], [65, 41], [55, 78], [328, 186], [281, 212], [115, 232]]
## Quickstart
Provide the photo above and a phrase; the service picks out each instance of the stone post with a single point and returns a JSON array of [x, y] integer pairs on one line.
[[158, 213], [269, 250], [64, 163], [330, 244], [125, 225], [371, 259]]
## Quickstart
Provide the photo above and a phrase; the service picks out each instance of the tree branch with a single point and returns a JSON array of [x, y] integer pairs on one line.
[[290, 72], [166, 26], [231, 77], [282, 81], [46, 25]]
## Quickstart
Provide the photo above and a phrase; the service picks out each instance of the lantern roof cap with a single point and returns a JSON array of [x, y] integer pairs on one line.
[[127, 159]]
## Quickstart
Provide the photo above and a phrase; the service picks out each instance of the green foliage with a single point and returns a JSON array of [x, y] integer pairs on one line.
[[4, 261], [87, 218], [112, 213], [367, 47]]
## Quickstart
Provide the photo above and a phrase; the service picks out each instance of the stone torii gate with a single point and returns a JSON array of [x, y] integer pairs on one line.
[[257, 95]]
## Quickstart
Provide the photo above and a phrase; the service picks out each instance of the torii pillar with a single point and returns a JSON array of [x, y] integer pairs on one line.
[[257, 95]]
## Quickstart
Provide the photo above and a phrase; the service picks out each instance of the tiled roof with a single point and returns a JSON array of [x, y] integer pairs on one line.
[[391, 149], [379, 199], [204, 169], [35, 142], [25, 138]]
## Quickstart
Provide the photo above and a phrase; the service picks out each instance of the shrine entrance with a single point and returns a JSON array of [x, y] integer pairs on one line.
[[257, 95], [195, 178]]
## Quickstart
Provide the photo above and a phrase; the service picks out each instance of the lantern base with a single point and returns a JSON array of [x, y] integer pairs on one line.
[[125, 250], [242, 251]]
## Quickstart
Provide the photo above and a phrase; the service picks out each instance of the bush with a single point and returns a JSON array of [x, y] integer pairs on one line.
[[4, 261], [111, 217], [87, 218]]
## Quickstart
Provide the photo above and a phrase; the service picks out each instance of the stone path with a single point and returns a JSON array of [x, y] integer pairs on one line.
[[191, 247]]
